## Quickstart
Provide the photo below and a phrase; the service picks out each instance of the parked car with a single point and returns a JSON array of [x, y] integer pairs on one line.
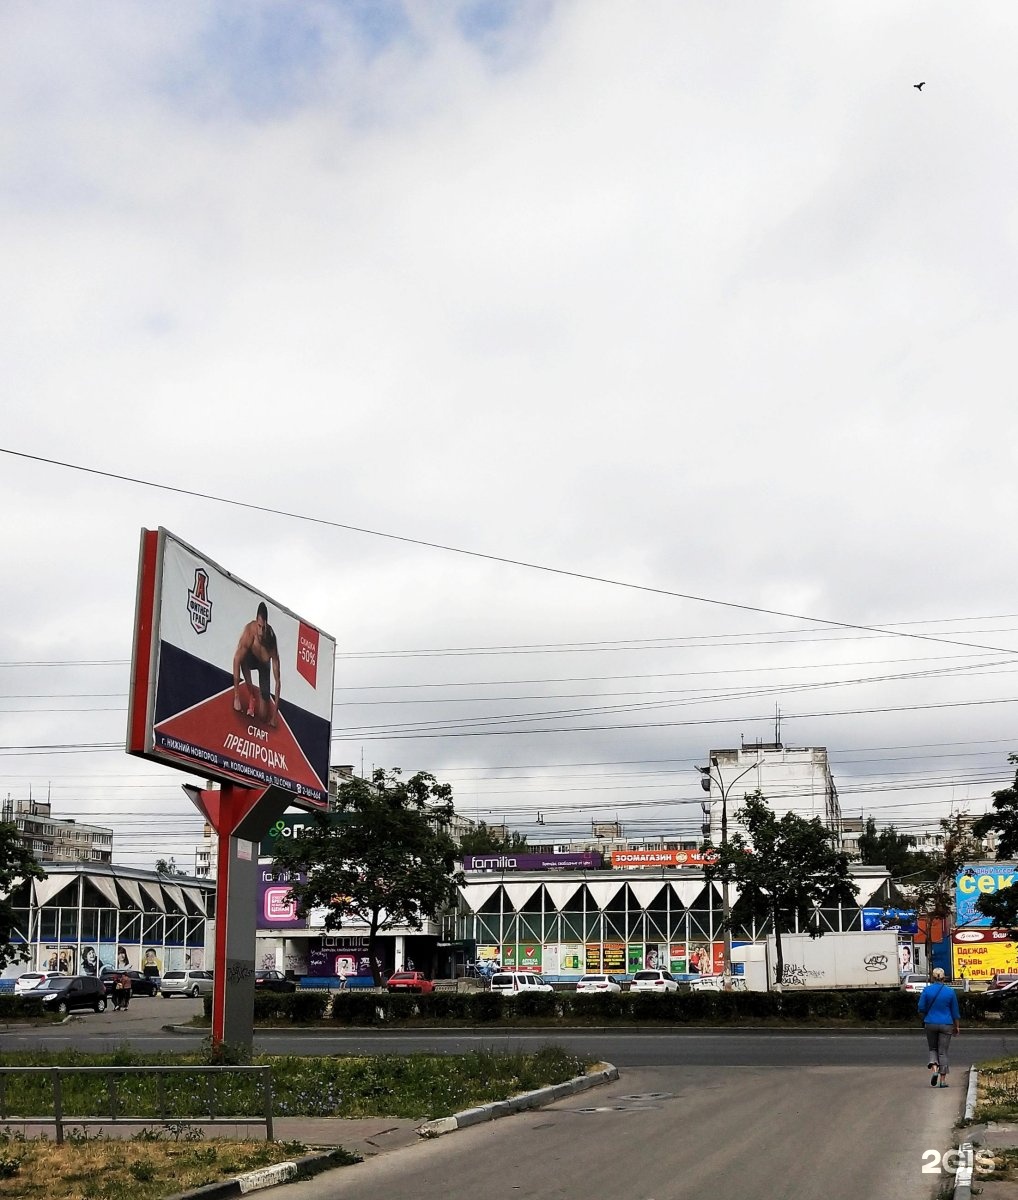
[[273, 981], [914, 983], [29, 979], [598, 983], [141, 984], [511, 983], [995, 998], [654, 981], [67, 992], [1000, 981], [186, 983], [409, 981]]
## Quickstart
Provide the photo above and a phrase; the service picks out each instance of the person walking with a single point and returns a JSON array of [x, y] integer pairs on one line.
[[938, 1007], [124, 984]]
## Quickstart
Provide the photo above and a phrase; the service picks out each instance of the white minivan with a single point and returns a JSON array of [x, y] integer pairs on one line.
[[512, 983]]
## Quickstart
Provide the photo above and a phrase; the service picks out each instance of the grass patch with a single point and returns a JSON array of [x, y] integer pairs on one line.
[[415, 1086], [149, 1165], [175, 1157], [997, 1094]]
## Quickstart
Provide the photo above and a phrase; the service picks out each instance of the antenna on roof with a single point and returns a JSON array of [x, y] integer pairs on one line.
[[777, 725]]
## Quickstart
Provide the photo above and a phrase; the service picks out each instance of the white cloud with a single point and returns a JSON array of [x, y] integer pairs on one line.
[[712, 300]]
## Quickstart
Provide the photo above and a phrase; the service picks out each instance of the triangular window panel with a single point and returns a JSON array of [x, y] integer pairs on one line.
[[647, 893], [476, 895], [46, 889], [564, 896], [520, 893], [132, 891], [685, 891]]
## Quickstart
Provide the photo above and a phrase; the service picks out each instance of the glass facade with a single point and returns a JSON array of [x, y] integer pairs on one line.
[[79, 922]]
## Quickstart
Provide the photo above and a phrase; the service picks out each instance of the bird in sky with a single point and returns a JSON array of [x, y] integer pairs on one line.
[[919, 86]]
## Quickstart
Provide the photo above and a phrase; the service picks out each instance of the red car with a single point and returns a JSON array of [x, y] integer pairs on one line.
[[410, 981]]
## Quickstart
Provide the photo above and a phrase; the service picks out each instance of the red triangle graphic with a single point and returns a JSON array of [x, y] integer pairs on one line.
[[250, 750]]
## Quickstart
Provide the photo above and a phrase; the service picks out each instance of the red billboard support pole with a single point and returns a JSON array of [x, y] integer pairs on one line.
[[241, 816]]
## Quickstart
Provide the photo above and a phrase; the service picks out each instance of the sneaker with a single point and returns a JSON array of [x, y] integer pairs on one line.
[[933, 1080]]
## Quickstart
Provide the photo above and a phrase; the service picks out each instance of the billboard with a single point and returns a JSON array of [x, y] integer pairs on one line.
[[530, 862], [290, 827], [658, 858], [275, 909], [981, 953], [225, 681], [904, 920], [972, 882]]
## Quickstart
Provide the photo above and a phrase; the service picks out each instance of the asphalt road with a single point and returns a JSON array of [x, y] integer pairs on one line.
[[751, 1115]]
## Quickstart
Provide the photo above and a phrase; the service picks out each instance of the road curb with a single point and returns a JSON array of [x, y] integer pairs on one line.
[[598, 1075], [963, 1176], [264, 1177]]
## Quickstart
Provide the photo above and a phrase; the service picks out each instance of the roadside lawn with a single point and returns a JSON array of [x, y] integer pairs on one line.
[[174, 1156], [997, 1101]]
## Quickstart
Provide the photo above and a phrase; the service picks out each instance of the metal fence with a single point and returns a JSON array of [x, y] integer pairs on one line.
[[111, 1110]]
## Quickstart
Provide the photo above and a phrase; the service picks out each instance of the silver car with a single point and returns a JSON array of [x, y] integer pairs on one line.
[[186, 983]]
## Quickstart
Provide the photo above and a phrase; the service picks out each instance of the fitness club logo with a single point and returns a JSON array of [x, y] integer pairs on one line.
[[199, 606]]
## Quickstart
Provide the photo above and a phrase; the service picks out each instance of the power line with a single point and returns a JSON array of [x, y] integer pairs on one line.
[[488, 557]]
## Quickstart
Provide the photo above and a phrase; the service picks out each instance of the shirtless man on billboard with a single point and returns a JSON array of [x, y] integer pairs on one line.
[[257, 651]]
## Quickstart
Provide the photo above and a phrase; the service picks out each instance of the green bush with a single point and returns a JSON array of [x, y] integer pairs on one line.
[[358, 1008], [598, 1006], [660, 1006], [449, 1006], [486, 1006], [16, 1006], [756, 1005], [268, 1005], [534, 1004], [400, 1007], [305, 1006]]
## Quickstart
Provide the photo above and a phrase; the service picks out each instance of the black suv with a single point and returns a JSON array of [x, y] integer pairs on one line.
[[69, 992]]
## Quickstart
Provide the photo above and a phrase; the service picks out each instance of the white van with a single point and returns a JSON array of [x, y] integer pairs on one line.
[[511, 983]]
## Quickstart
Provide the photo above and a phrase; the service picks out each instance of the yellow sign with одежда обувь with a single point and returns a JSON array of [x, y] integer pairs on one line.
[[980, 954]]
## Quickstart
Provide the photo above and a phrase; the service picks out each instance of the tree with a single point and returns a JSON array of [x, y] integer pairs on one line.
[[935, 895], [1002, 906], [785, 868], [895, 851], [383, 857], [167, 867], [484, 839], [17, 865]]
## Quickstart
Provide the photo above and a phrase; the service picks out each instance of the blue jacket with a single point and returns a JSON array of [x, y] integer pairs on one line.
[[938, 1004]]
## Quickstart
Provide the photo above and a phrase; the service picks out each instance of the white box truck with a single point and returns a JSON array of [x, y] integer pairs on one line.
[[836, 960]]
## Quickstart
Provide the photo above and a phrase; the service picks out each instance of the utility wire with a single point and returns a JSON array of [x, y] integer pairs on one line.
[[512, 562]]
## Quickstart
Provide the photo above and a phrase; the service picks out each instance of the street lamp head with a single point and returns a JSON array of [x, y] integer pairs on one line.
[[705, 782]]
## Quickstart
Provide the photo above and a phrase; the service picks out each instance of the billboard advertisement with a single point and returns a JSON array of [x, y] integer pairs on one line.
[[275, 909], [903, 920], [589, 859], [288, 828], [974, 881], [981, 953], [225, 681], [658, 858]]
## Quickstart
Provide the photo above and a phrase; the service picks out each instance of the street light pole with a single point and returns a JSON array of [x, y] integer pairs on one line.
[[707, 776]]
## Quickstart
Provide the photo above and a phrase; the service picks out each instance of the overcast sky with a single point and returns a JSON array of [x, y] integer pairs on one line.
[[702, 298]]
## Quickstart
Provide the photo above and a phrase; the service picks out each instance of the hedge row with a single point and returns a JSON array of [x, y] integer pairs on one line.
[[883, 1006], [299, 1008], [674, 1007], [15, 1006]]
